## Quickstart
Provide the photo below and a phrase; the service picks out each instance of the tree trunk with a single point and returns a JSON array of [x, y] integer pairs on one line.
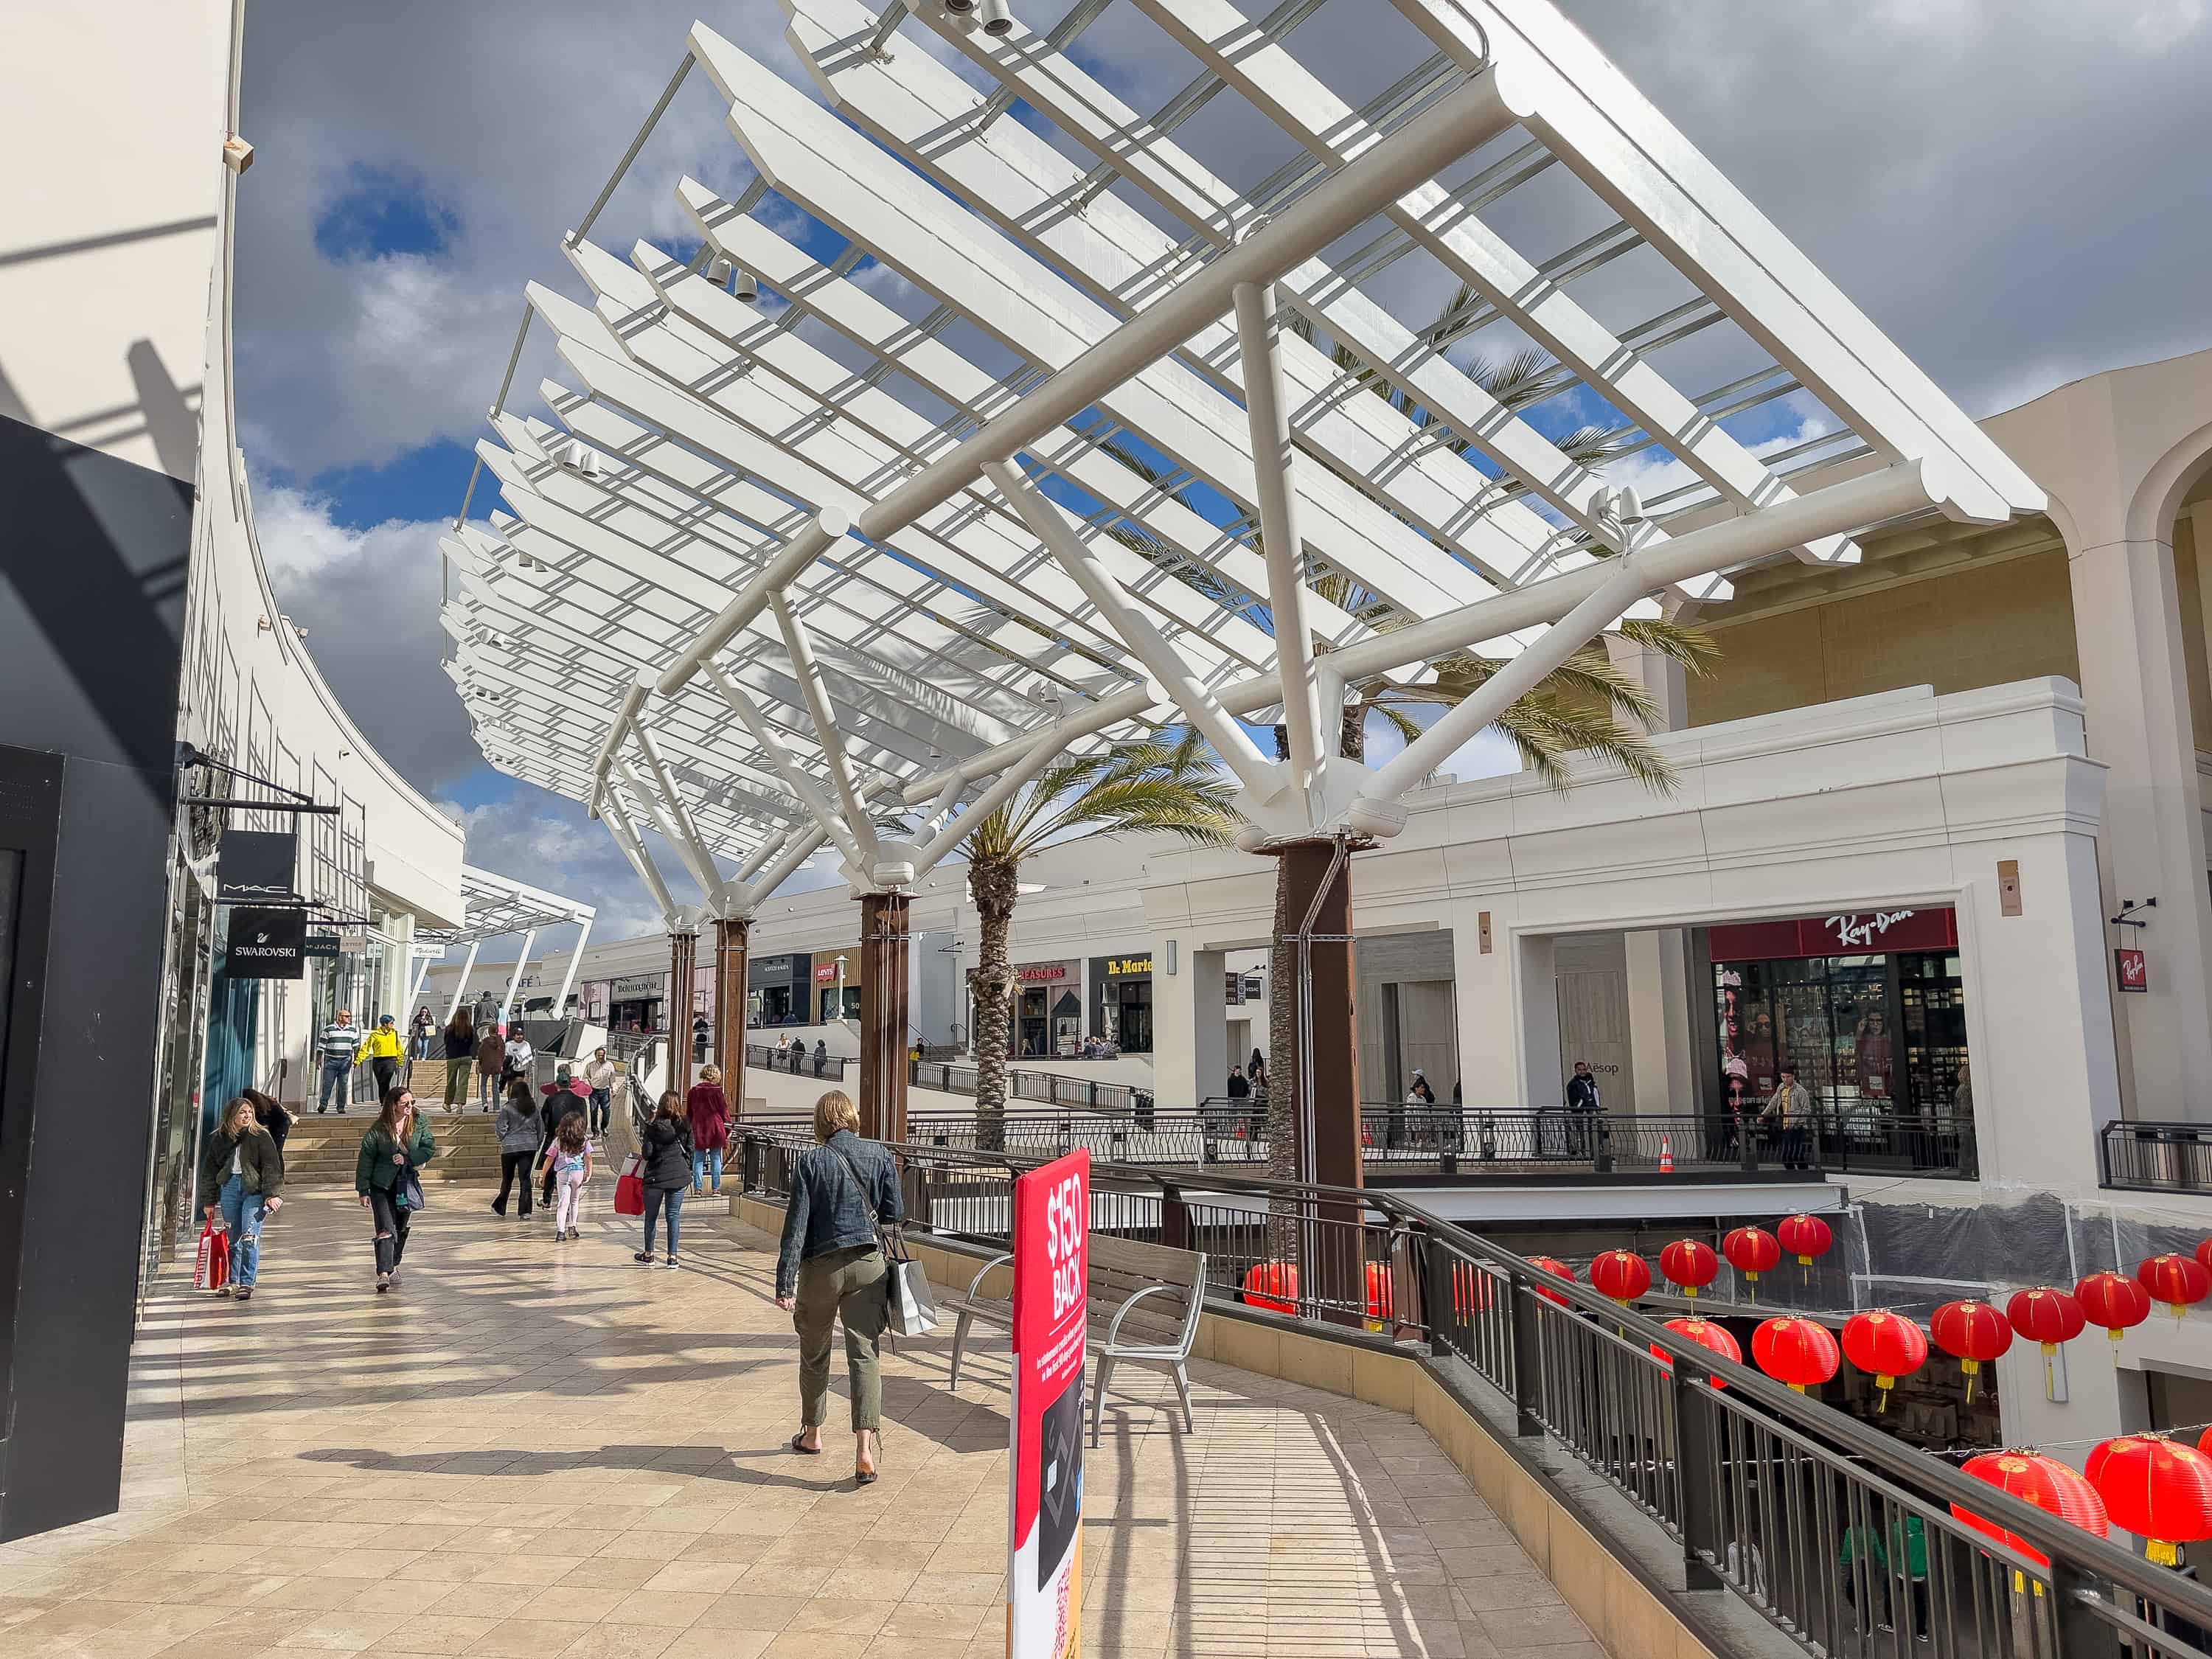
[[1284, 1082], [994, 886]]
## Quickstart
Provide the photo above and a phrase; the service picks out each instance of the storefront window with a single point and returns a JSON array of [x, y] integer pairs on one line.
[[1877, 1038]]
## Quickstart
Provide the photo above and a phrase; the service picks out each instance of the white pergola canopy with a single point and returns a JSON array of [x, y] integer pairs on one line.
[[495, 907], [837, 534]]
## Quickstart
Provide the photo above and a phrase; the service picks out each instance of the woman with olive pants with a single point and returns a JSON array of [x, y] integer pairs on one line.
[[830, 1270]]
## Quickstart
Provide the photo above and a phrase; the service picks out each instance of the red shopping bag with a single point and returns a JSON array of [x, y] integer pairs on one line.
[[211, 1267], [630, 1191]]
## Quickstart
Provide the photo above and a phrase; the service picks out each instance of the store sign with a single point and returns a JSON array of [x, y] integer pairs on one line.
[[1122, 967], [321, 944], [825, 973], [354, 941], [1044, 1547], [2134, 971], [255, 866], [1040, 973], [1839, 934], [266, 943], [631, 987]]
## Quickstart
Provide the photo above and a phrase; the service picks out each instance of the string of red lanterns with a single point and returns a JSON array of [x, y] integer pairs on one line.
[[1972, 1332], [1751, 1251], [1690, 1264]]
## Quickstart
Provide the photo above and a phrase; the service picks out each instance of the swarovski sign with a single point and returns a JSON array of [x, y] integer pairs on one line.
[[265, 944]]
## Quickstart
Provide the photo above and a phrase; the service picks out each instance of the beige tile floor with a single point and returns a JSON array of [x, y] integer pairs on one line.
[[544, 1451]]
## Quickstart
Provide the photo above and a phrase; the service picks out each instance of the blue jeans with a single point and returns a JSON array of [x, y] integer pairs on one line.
[[599, 1110], [655, 1198], [703, 1159], [242, 1214], [337, 1078]]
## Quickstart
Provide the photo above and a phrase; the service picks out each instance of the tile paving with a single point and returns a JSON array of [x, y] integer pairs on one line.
[[544, 1451]]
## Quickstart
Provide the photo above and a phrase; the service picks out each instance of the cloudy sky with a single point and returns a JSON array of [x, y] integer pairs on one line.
[[2010, 188]]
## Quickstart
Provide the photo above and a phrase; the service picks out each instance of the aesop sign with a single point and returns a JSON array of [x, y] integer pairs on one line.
[[266, 943]]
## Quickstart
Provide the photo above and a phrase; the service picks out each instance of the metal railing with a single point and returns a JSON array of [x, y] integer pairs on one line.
[[1844, 1538], [1448, 1140], [1045, 1088], [2156, 1156], [830, 1068]]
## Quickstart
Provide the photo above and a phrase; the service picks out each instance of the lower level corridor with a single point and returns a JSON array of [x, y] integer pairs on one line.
[[541, 1450]]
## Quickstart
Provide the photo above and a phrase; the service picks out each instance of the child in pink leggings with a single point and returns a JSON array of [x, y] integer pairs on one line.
[[569, 1160]]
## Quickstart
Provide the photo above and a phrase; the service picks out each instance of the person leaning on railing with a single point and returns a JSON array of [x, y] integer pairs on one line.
[[829, 1268], [1788, 1109]]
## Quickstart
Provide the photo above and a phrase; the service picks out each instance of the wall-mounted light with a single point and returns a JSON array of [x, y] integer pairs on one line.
[[996, 19], [745, 287], [1170, 957]]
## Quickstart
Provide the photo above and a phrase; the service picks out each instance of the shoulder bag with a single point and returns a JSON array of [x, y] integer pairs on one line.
[[910, 1308]]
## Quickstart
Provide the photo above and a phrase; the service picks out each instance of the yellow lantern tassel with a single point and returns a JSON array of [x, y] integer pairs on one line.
[[1885, 1383], [1970, 1367], [2163, 1554]]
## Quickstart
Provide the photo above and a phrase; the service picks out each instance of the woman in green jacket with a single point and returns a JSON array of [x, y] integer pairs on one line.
[[398, 1141], [241, 1173]]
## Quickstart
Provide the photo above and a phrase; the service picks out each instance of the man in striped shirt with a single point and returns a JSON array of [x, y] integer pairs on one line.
[[340, 1040]]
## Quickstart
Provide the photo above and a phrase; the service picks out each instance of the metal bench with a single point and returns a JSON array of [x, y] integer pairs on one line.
[[1156, 1290]]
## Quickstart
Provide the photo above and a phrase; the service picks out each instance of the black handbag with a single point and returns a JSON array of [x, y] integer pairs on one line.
[[408, 1190]]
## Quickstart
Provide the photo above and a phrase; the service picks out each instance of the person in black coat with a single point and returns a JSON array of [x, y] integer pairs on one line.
[[664, 1167], [273, 1117]]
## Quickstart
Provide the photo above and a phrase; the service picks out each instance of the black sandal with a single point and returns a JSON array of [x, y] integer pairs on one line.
[[803, 1450]]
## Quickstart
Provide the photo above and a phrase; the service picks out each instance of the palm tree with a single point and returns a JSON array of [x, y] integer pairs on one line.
[[1160, 783], [1586, 706]]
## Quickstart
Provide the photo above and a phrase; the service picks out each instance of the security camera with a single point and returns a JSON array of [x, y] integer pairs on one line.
[[996, 19], [745, 287], [959, 8]]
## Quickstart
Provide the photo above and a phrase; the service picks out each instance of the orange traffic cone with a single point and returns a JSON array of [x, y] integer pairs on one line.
[[1665, 1155]]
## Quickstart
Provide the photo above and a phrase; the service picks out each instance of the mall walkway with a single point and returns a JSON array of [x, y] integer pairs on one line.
[[542, 1451]]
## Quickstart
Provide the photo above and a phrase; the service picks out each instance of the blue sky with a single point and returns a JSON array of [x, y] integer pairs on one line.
[[416, 164]]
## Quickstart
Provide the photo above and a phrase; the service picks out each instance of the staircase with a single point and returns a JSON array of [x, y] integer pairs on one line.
[[320, 1152]]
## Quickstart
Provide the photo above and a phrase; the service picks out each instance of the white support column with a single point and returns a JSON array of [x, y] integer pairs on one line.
[[423, 961], [1267, 409], [1190, 1023], [803, 848], [1662, 996], [701, 859], [635, 849], [1456, 726], [2127, 628], [461, 985], [794, 776], [1263, 776], [568, 979], [694, 857], [1536, 1008], [1017, 773], [515, 978], [808, 671]]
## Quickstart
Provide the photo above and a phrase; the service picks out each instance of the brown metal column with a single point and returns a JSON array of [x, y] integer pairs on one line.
[[883, 1016], [732, 940], [683, 961], [1325, 1061]]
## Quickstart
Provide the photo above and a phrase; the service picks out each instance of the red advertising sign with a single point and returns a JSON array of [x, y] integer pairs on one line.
[[2133, 970], [825, 973], [1840, 933], [1044, 1541]]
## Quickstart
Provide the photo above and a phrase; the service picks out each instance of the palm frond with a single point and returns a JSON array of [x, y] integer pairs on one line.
[[1522, 378], [1695, 649]]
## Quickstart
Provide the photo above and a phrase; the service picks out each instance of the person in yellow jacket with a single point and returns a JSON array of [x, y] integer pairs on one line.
[[382, 1049]]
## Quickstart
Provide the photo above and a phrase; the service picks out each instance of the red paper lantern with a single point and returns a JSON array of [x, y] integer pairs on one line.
[[2117, 1304], [1272, 1284], [1379, 1298], [2158, 1489], [1888, 1345], [2043, 1481], [1551, 1264], [1751, 1251], [1972, 1332], [1795, 1351], [2204, 1255], [1689, 1263], [1706, 1334], [1621, 1274], [2180, 1281], [2045, 1315], [1804, 1236]]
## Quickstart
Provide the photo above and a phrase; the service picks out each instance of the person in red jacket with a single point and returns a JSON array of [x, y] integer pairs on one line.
[[709, 1112]]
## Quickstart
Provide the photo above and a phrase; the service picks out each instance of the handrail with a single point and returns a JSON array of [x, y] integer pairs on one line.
[[1580, 1368], [2155, 1156]]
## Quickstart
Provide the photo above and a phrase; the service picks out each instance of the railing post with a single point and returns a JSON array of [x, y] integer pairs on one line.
[[1174, 1218], [1527, 1362], [1746, 1140], [753, 1176], [1698, 1465], [2078, 1633], [1435, 1269]]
